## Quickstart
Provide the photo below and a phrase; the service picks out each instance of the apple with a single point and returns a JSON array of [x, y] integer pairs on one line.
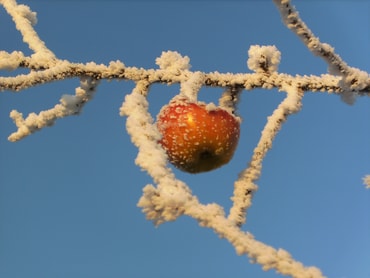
[[197, 137]]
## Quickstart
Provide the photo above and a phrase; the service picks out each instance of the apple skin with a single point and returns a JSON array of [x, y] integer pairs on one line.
[[195, 138]]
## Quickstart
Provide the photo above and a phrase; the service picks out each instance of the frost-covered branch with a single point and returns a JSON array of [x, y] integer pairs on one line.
[[173, 198], [353, 80], [69, 105], [168, 200], [117, 70], [24, 20], [169, 197], [244, 243], [245, 185]]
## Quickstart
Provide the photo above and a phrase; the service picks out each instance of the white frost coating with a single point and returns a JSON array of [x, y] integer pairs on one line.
[[229, 100], [10, 61], [293, 102], [353, 79], [144, 134], [26, 12], [173, 61], [172, 197], [263, 58], [366, 180], [212, 216], [245, 185], [24, 19], [211, 106], [167, 201], [69, 105], [190, 88], [115, 67]]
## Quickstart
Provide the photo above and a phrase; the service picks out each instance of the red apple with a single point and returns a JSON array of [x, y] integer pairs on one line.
[[196, 137]]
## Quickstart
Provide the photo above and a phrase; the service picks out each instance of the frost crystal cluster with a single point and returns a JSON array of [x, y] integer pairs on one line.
[[169, 197]]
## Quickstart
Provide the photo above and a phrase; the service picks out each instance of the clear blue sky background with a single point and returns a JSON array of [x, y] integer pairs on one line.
[[68, 194]]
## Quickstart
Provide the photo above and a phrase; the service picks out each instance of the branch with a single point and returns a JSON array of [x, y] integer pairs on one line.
[[244, 243], [69, 105], [24, 20], [353, 79], [245, 186], [117, 70], [171, 198]]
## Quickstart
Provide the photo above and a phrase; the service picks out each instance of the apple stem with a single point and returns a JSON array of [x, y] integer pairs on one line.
[[190, 87]]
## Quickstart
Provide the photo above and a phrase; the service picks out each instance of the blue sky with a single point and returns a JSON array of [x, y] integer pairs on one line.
[[68, 194]]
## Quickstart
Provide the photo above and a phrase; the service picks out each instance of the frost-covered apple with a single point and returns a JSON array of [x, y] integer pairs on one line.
[[197, 137]]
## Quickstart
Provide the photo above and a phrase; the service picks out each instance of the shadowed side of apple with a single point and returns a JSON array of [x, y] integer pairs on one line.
[[197, 139]]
